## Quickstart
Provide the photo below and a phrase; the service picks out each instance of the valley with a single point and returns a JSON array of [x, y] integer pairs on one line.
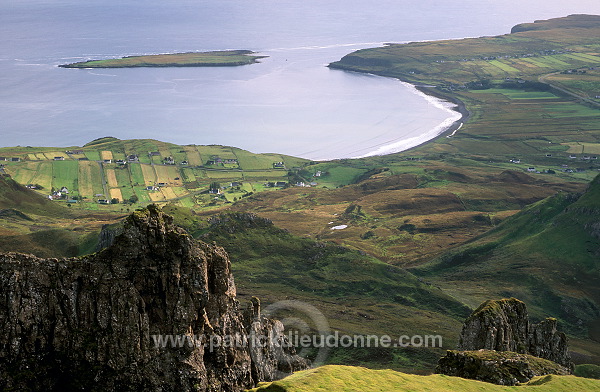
[[505, 206]]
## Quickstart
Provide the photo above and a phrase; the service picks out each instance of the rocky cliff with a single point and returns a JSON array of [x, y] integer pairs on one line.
[[155, 311]]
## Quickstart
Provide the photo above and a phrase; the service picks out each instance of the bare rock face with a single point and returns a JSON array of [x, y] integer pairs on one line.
[[503, 325], [497, 325], [155, 311], [498, 344]]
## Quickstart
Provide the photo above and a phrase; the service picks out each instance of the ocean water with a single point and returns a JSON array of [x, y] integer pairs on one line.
[[288, 103]]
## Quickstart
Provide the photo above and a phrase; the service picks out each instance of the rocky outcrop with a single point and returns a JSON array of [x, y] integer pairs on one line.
[[503, 368], [500, 331], [155, 311], [497, 325], [503, 325]]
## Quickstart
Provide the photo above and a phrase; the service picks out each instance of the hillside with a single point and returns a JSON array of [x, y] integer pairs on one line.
[[351, 379], [30, 223], [547, 255]]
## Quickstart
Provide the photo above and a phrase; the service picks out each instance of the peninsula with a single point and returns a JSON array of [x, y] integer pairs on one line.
[[191, 59]]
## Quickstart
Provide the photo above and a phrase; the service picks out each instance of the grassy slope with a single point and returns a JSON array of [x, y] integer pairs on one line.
[[193, 59], [546, 255], [36, 225], [345, 378]]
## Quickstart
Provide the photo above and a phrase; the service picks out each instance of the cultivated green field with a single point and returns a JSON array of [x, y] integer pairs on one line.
[[89, 178]]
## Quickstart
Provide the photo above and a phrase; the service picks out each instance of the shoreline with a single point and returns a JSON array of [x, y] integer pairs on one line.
[[429, 91]]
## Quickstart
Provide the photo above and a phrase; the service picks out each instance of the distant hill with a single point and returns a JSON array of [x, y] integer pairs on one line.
[[571, 22]]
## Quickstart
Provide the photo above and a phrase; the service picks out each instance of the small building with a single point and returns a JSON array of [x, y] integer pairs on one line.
[[64, 190], [184, 163], [3, 159], [154, 153], [280, 184], [107, 161], [151, 188], [133, 158], [548, 155], [120, 162], [59, 158], [278, 165], [103, 201], [162, 184], [234, 184], [573, 156], [531, 169], [15, 159]]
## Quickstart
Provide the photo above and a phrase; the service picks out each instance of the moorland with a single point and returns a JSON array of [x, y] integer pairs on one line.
[[505, 206]]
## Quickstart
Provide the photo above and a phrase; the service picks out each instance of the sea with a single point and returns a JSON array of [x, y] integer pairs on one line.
[[289, 103]]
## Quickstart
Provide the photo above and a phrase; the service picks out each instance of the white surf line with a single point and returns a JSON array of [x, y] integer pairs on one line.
[[456, 130]]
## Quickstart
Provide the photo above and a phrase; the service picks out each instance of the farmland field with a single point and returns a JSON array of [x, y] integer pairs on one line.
[[115, 193], [89, 179], [111, 178], [65, 174], [193, 156], [148, 174]]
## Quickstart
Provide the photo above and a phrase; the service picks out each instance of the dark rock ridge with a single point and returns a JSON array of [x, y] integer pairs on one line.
[[88, 323], [498, 367], [503, 327]]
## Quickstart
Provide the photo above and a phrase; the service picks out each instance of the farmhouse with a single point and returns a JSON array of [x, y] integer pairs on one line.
[[133, 158]]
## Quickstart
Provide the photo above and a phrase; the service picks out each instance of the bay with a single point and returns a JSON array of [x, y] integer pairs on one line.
[[289, 103]]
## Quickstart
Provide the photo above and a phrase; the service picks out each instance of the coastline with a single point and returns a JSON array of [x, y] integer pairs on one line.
[[435, 96]]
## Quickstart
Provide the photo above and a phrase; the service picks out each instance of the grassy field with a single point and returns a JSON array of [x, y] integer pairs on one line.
[[351, 379], [83, 177], [191, 59]]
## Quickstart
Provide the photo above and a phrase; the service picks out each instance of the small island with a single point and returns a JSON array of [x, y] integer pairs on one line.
[[191, 59]]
